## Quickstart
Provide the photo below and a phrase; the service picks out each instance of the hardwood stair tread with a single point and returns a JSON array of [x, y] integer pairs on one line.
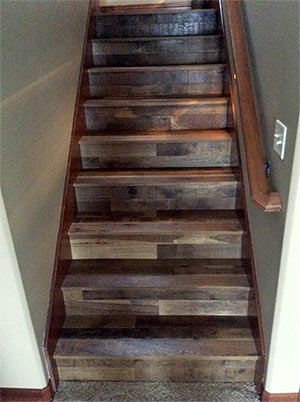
[[210, 327], [158, 38], [157, 11], [185, 223], [157, 136], [144, 177], [160, 267], [103, 281], [207, 347], [155, 102], [181, 67]]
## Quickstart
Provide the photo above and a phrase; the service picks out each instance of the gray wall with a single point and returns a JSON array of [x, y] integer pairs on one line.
[[272, 29], [41, 47]]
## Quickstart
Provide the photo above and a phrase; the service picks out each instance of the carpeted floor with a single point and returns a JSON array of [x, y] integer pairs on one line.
[[155, 392]]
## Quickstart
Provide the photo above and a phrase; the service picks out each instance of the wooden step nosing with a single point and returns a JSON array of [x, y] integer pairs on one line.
[[157, 11], [158, 38], [152, 102], [216, 135], [137, 69]]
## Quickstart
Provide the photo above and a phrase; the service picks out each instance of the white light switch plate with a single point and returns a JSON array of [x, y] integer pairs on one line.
[[280, 138]]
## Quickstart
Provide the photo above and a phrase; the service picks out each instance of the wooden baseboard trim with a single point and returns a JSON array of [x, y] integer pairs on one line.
[[27, 394], [268, 397]]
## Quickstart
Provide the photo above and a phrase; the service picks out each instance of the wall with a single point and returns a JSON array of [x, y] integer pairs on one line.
[[272, 29], [41, 45], [283, 371], [20, 363]]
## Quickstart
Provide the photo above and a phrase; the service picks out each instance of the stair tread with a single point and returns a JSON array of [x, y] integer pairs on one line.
[[161, 267], [196, 67], [100, 280], [157, 11], [156, 136], [214, 327], [158, 38], [155, 102], [142, 177], [185, 222]]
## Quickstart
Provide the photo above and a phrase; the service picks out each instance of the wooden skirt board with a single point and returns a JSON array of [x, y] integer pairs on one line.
[[288, 397], [27, 394]]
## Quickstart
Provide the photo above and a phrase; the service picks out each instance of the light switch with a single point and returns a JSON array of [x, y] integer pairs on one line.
[[280, 138]]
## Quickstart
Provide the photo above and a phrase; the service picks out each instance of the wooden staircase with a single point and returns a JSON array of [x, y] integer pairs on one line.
[[160, 284]]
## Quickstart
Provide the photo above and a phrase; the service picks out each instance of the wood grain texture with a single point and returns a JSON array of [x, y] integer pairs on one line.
[[203, 236], [134, 191], [156, 114], [161, 267], [259, 191], [187, 80], [205, 359], [159, 149], [151, 24], [157, 51], [164, 369]]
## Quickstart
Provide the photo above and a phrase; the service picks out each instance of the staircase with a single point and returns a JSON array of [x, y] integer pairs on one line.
[[160, 286]]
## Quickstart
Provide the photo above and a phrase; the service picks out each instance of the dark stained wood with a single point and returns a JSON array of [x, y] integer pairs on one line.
[[157, 51], [150, 24], [134, 191], [156, 114], [159, 149], [56, 310], [163, 369], [153, 347], [159, 6], [283, 397], [260, 194], [27, 394], [143, 327], [160, 267], [193, 80], [156, 286]]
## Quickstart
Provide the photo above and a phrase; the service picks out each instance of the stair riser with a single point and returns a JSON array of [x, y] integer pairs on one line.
[[168, 51], [156, 83], [129, 155], [156, 246], [157, 118], [158, 369], [215, 195], [202, 22]]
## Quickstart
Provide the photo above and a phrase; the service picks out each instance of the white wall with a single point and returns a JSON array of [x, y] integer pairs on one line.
[[41, 48], [283, 371], [20, 361]]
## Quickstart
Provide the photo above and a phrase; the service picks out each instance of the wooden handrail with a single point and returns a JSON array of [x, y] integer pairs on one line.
[[259, 192]]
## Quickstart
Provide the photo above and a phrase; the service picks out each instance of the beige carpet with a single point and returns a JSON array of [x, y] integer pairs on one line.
[[155, 392]]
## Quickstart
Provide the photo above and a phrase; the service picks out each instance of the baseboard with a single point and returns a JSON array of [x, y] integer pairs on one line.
[[27, 394], [268, 397]]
